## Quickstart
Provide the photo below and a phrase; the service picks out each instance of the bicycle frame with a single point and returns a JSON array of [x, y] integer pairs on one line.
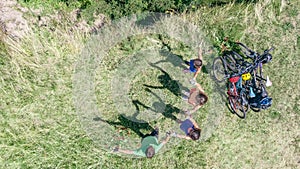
[[236, 98]]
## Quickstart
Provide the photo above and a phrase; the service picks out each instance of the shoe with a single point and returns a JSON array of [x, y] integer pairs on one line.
[[193, 81], [173, 134], [186, 70], [186, 93], [156, 129], [186, 98], [178, 121], [188, 114]]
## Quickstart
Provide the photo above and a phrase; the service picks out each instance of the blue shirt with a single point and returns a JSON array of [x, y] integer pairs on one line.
[[192, 67], [185, 125]]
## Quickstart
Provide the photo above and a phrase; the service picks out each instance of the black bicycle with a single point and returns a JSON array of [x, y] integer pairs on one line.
[[226, 64], [256, 82], [251, 75]]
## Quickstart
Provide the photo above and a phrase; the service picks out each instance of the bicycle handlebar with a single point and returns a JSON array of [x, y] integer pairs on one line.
[[269, 50], [256, 57], [244, 46]]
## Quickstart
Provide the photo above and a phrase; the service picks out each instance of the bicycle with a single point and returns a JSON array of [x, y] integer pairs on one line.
[[237, 96], [260, 100], [253, 80], [253, 91]]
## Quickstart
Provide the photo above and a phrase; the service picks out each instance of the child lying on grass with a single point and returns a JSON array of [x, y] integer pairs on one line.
[[196, 97], [190, 128]]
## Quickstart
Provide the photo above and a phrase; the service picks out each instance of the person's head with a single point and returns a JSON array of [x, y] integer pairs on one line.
[[194, 134], [201, 99], [197, 63], [150, 152]]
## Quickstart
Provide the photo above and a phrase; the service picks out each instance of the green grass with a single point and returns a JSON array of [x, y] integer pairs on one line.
[[40, 126]]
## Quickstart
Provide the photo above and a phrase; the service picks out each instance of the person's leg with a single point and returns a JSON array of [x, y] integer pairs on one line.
[[178, 121], [155, 132], [146, 135], [185, 95], [187, 70]]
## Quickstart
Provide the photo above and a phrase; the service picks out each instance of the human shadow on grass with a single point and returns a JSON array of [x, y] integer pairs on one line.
[[175, 60], [124, 122], [166, 110], [221, 89], [167, 82]]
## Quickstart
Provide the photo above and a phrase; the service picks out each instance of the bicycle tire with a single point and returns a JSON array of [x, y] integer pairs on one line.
[[243, 107], [219, 70], [232, 104]]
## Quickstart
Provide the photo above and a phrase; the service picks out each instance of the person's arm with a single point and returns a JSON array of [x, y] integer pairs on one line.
[[197, 72], [117, 149], [200, 54], [183, 137], [126, 151], [193, 110], [166, 139], [199, 87]]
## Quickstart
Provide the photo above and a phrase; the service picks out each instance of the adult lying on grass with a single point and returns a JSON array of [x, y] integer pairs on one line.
[[190, 128], [195, 97], [149, 147]]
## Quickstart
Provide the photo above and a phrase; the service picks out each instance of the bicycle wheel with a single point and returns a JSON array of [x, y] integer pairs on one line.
[[219, 70], [232, 104], [242, 105]]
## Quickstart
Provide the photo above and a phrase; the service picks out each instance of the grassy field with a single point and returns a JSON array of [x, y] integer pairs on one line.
[[41, 127]]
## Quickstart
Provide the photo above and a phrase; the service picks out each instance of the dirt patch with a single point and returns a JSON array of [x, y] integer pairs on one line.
[[12, 22], [14, 25]]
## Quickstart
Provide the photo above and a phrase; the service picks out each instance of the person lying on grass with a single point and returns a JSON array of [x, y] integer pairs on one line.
[[190, 128], [195, 66], [149, 146], [195, 97]]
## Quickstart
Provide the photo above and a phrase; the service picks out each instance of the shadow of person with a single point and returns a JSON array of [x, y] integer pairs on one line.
[[220, 87], [166, 110], [124, 122], [167, 82], [169, 110], [175, 60]]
